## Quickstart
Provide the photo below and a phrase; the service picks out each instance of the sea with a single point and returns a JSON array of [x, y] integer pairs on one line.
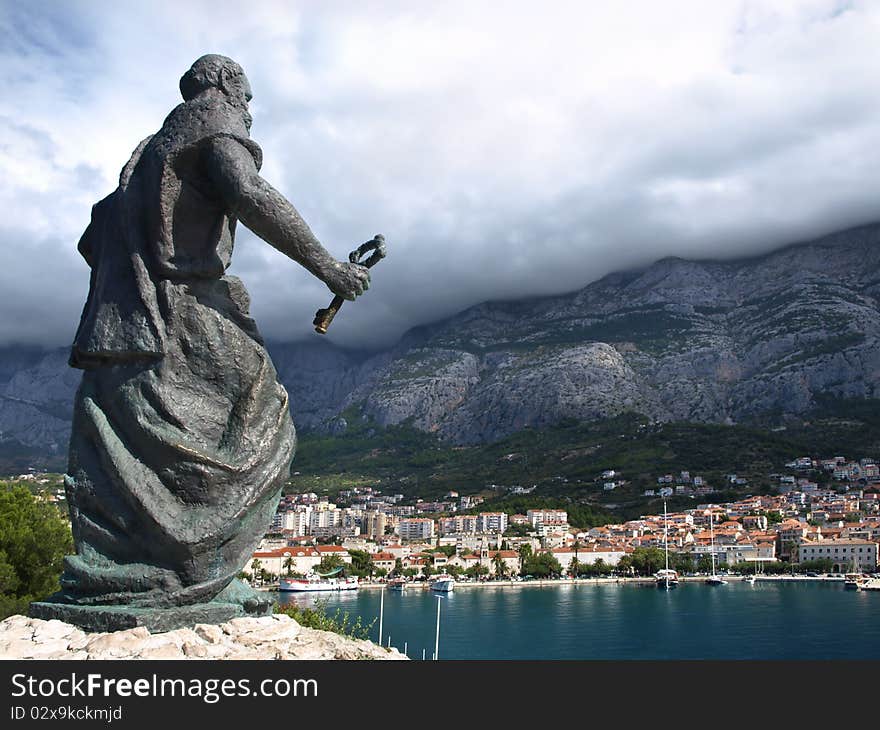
[[765, 620]]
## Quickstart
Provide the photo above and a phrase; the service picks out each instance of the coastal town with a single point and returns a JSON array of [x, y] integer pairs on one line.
[[833, 526], [824, 515]]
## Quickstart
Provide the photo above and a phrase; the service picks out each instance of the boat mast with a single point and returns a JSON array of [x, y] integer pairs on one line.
[[712, 539], [666, 543]]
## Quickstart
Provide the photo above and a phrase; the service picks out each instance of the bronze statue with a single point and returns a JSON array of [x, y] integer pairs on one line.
[[182, 436]]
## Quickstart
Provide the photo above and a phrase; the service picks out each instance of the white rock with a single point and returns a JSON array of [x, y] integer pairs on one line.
[[210, 633], [268, 637], [119, 643], [52, 629], [163, 651]]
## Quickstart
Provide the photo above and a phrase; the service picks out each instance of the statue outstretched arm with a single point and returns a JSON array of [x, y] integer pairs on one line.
[[273, 218]]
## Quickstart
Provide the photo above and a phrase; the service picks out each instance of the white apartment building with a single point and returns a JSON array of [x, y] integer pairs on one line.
[[325, 518], [538, 517], [492, 522], [416, 528], [459, 524], [297, 521]]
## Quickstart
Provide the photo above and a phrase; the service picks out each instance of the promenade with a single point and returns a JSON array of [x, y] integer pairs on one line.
[[465, 585]]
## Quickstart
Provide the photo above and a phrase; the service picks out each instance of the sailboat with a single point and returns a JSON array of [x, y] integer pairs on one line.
[[853, 581], [714, 579], [666, 578], [752, 578]]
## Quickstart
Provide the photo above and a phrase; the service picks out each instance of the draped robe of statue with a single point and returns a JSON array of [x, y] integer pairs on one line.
[[182, 435]]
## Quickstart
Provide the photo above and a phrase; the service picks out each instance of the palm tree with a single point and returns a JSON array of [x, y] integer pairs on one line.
[[573, 566], [500, 565], [525, 552], [288, 564], [256, 566]]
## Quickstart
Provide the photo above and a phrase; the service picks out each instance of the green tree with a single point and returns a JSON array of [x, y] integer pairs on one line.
[[266, 576], [477, 570], [361, 564], [647, 560], [447, 550], [499, 564], [543, 565], [682, 562], [330, 563], [525, 553], [34, 538], [288, 565], [600, 567]]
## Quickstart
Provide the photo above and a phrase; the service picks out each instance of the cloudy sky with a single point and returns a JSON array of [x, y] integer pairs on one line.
[[503, 148]]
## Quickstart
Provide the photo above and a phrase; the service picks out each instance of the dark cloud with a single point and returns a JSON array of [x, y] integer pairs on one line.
[[502, 154]]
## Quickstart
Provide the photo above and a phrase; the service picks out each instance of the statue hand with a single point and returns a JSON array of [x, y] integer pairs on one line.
[[348, 280]]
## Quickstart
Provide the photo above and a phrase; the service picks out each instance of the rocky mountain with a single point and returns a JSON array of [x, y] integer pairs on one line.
[[679, 340]]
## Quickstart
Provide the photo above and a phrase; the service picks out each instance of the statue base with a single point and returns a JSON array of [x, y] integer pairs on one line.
[[235, 601]]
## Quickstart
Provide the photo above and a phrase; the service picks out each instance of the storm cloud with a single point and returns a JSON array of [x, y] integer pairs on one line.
[[503, 150]]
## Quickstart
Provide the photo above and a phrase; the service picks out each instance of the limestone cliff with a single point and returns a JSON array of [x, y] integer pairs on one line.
[[687, 340]]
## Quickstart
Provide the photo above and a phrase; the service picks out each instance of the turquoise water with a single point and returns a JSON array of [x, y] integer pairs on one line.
[[770, 620]]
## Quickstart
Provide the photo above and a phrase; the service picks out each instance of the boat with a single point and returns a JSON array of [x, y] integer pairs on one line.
[[853, 581], [443, 583], [397, 584], [714, 579], [666, 578], [316, 583]]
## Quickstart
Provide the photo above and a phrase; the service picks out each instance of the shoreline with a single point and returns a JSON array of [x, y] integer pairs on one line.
[[423, 585]]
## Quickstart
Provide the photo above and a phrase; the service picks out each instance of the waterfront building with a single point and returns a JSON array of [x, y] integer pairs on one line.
[[302, 559], [384, 560], [589, 554], [842, 552]]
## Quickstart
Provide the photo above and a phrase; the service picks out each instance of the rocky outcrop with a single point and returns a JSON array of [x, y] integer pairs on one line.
[[688, 340], [270, 637]]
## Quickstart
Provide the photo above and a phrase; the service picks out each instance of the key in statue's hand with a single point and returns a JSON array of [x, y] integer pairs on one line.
[[358, 279]]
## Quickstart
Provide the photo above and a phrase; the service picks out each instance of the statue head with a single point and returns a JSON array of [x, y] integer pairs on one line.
[[213, 71]]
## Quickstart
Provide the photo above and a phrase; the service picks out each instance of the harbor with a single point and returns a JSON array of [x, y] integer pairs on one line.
[[778, 617]]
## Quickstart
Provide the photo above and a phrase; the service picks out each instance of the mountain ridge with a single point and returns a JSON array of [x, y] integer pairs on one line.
[[681, 339]]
